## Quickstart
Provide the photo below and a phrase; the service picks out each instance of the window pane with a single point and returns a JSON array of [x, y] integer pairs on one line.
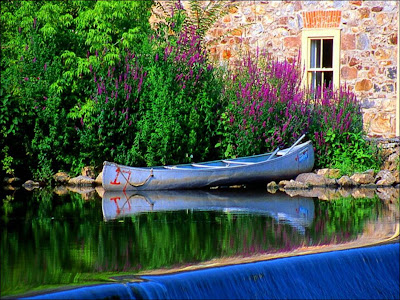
[[327, 55], [328, 77], [316, 80], [315, 54]]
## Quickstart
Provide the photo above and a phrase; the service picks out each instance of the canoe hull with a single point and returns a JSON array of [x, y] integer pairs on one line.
[[255, 169]]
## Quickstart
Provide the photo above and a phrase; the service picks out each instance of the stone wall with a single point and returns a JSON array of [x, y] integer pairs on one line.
[[369, 41]]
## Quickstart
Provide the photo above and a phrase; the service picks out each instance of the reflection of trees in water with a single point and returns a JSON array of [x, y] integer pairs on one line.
[[343, 219], [56, 240]]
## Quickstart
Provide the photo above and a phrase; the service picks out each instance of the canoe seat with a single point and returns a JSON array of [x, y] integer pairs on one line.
[[237, 162], [207, 166]]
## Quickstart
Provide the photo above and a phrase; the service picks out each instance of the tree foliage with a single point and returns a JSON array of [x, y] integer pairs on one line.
[[48, 48]]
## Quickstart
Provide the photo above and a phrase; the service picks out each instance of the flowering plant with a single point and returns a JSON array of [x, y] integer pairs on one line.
[[155, 106], [265, 107], [337, 131]]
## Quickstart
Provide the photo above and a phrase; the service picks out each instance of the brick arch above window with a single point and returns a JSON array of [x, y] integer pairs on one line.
[[322, 19]]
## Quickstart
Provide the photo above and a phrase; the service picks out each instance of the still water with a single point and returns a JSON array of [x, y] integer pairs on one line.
[[51, 240]]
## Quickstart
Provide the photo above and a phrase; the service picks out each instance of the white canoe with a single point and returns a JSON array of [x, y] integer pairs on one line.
[[278, 165]]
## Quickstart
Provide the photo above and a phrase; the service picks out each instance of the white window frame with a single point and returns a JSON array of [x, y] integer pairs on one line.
[[307, 36]]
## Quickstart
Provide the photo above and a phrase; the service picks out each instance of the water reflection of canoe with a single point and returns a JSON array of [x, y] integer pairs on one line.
[[297, 211], [278, 165]]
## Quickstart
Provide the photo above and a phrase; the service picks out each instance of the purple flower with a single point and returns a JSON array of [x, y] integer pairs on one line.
[[99, 89], [45, 66], [140, 84]]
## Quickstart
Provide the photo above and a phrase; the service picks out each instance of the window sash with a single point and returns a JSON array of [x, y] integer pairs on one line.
[[313, 43]]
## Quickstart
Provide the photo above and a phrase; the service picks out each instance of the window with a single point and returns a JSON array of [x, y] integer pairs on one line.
[[321, 53]]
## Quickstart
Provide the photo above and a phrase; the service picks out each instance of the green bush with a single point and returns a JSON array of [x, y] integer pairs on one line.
[[337, 132], [45, 75], [158, 106], [267, 108]]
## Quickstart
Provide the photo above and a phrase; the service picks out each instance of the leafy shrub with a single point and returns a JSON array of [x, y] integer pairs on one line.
[[45, 75], [265, 107], [337, 132], [34, 123], [157, 106]]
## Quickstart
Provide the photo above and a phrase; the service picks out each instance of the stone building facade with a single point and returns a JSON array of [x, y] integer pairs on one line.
[[368, 56]]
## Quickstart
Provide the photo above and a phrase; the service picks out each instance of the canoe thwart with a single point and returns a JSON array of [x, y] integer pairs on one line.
[[273, 154], [294, 145]]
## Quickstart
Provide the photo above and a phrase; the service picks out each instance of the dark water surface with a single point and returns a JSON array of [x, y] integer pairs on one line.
[[53, 241]]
